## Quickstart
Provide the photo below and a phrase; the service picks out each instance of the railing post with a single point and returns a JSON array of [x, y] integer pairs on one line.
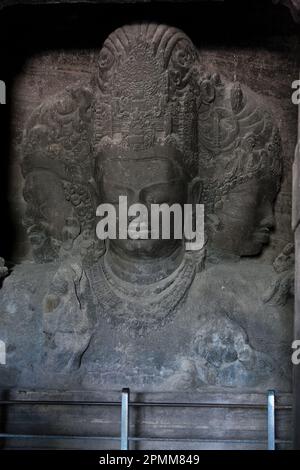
[[125, 419], [271, 420]]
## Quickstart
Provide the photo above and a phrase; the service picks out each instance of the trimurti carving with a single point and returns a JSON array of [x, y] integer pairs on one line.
[[156, 127]]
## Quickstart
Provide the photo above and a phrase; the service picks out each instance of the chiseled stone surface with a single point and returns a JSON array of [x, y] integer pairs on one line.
[[153, 123], [229, 339]]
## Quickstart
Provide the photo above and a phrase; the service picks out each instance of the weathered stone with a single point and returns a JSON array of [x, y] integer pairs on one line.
[[153, 124]]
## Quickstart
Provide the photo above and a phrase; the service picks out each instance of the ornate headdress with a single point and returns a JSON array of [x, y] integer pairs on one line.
[[146, 90], [57, 140], [246, 143]]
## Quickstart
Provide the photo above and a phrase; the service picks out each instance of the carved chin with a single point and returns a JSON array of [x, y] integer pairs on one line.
[[239, 245], [254, 247], [140, 247]]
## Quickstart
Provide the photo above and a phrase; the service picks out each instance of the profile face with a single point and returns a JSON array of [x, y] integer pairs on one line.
[[246, 218], [47, 209], [145, 179]]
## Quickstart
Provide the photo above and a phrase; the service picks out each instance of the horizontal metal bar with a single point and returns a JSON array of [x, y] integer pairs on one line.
[[173, 439], [53, 436], [143, 404], [59, 403], [137, 439]]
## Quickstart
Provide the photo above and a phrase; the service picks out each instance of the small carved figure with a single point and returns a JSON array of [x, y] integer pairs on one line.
[[283, 287]]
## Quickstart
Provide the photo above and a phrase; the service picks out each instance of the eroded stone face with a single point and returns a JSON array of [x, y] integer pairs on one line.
[[143, 177], [243, 173], [246, 218]]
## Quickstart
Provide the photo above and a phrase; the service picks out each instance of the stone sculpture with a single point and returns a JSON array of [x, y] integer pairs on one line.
[[57, 168], [156, 127], [242, 166]]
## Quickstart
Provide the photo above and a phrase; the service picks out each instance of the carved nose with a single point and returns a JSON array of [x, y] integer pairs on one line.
[[268, 219], [268, 222]]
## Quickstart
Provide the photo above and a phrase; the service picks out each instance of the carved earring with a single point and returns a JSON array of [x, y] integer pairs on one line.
[[195, 189]]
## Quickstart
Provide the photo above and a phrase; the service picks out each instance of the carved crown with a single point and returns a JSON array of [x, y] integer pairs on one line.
[[147, 85]]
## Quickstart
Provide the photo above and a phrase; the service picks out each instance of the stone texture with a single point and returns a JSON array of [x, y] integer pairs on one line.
[[296, 190], [296, 375], [296, 227], [153, 119], [27, 322]]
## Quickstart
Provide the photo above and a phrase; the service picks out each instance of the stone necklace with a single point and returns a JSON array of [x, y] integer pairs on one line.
[[135, 305]]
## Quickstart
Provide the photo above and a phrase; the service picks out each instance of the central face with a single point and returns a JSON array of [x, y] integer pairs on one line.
[[156, 179]]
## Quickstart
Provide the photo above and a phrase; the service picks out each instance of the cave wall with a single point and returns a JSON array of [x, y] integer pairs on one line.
[[66, 54]]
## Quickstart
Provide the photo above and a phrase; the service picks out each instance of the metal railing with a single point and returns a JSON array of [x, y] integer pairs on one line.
[[125, 404]]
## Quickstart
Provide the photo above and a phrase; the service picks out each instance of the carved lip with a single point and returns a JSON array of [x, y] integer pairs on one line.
[[140, 236], [132, 234]]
